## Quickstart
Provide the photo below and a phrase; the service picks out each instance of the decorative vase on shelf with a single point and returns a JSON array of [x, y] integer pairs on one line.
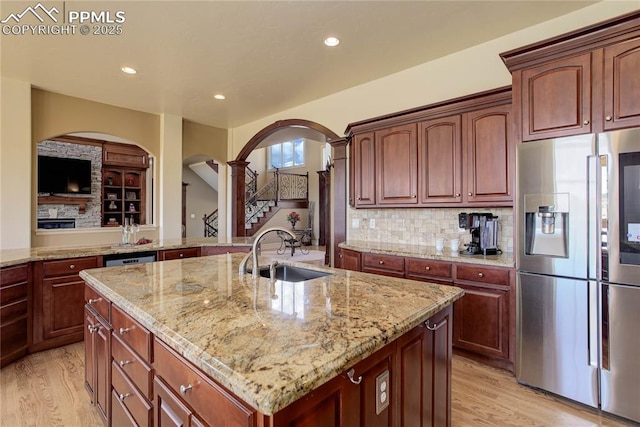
[[113, 206]]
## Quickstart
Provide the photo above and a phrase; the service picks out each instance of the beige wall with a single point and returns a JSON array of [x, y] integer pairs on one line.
[[15, 164], [202, 140]]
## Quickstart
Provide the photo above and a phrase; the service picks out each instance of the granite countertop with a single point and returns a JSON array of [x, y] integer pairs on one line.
[[428, 252], [269, 343], [10, 257]]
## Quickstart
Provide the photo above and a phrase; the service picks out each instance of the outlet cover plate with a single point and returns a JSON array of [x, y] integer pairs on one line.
[[383, 391]]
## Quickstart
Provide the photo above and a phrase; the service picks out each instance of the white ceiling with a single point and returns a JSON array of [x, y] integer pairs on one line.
[[265, 56]]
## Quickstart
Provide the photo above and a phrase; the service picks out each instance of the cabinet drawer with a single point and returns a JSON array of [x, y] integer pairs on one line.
[[99, 303], [383, 264], [14, 292], [15, 274], [483, 274], [136, 369], [66, 267], [125, 393], [179, 254], [13, 310], [428, 268], [120, 416], [210, 402], [132, 333]]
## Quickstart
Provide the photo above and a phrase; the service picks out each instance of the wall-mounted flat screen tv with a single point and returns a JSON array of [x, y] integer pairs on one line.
[[57, 175]]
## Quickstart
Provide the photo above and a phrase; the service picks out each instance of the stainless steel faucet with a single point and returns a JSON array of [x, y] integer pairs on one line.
[[254, 250]]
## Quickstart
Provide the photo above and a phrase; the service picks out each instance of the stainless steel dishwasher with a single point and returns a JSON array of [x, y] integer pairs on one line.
[[129, 258]]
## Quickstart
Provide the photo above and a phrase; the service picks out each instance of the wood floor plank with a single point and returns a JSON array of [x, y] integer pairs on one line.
[[47, 389]]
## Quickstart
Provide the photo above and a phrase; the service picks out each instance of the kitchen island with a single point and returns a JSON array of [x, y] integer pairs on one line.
[[314, 351]]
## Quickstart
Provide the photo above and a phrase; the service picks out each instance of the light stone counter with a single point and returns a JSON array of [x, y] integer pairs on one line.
[[10, 257], [270, 344], [428, 252]]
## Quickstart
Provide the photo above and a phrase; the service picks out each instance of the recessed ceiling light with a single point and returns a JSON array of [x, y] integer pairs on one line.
[[129, 70], [332, 41], [219, 96]]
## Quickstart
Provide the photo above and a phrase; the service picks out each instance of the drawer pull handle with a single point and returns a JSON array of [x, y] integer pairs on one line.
[[608, 118], [380, 262], [123, 396], [435, 327], [94, 300], [181, 255], [92, 328], [124, 363], [124, 330], [480, 274], [185, 388], [427, 268], [350, 373], [469, 193], [72, 266]]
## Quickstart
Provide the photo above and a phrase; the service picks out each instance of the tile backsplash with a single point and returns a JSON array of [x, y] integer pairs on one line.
[[422, 226]]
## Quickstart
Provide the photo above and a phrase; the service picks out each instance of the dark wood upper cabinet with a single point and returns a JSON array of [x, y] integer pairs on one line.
[[585, 81], [622, 85], [397, 165], [440, 155], [458, 152], [364, 164], [489, 155], [556, 98]]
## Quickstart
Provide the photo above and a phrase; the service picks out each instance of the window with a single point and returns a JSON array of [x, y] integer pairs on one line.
[[288, 154]]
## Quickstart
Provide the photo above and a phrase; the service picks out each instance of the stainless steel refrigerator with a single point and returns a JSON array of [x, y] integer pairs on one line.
[[578, 261]]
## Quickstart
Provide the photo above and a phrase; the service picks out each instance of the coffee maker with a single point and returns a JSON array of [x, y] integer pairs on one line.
[[484, 233]]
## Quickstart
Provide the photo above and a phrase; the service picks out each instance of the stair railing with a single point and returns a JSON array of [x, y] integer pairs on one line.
[[211, 224]]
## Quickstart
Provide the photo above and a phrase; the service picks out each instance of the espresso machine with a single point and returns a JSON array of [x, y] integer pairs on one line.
[[484, 233]]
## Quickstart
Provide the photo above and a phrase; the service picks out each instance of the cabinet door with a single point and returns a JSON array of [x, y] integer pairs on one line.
[[364, 165], [97, 350], [489, 155], [349, 260], [424, 360], [397, 165], [481, 319], [89, 358], [556, 98], [440, 157], [63, 301], [622, 85]]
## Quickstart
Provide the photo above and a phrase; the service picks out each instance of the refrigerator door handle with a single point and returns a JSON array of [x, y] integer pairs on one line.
[[592, 324], [605, 328]]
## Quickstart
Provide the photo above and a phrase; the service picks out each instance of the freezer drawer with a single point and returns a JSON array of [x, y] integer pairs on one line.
[[553, 325], [621, 350]]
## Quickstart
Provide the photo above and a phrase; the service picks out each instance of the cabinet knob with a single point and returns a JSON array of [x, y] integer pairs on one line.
[[457, 194], [380, 262], [181, 255], [185, 388], [427, 268], [124, 330], [480, 274], [414, 196], [608, 118], [469, 193], [93, 300], [124, 363], [123, 396], [585, 122], [92, 328], [72, 266]]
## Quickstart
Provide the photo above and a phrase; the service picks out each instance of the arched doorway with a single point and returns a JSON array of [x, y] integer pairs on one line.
[[239, 165]]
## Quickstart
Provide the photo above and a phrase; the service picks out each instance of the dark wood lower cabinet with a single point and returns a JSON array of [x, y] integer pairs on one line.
[[15, 289], [97, 346]]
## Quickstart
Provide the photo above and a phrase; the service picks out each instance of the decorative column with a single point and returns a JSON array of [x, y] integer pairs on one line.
[[339, 200], [238, 185]]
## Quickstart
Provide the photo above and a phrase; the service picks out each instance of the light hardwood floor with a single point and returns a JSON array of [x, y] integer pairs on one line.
[[47, 389]]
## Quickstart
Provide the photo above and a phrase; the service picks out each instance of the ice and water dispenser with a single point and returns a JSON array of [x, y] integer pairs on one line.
[[546, 224]]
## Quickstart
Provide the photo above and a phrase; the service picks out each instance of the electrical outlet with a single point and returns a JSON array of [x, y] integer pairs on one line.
[[355, 223], [372, 223], [382, 392]]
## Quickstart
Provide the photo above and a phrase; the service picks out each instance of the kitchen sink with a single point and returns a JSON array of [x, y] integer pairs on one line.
[[288, 273]]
